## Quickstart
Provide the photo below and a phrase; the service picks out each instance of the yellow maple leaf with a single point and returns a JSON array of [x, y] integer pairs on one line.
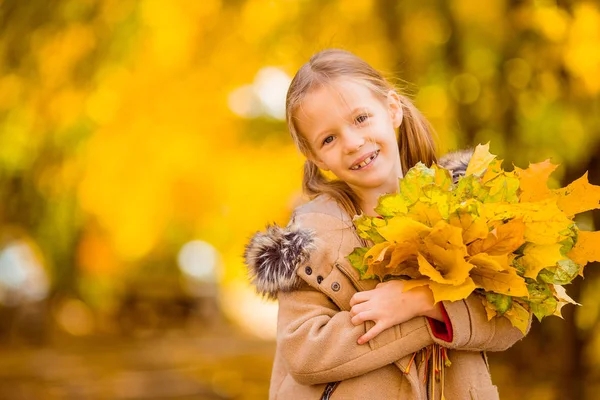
[[579, 196], [410, 269], [503, 188], [561, 294], [377, 258], [377, 252], [518, 316], [443, 292], [587, 249], [450, 266], [444, 255], [426, 213], [480, 160], [442, 178], [562, 299], [559, 306], [539, 256], [392, 259], [506, 238], [490, 310], [546, 223], [446, 236], [402, 252], [381, 270], [503, 282], [473, 227], [403, 229], [493, 170], [533, 181], [494, 263]]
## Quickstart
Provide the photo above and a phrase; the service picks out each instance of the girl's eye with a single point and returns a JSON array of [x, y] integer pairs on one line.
[[328, 140], [362, 118]]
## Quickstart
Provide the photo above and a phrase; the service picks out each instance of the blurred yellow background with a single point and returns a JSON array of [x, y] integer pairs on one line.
[[142, 142]]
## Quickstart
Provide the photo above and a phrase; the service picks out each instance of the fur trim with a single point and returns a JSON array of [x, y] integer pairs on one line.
[[272, 258], [456, 162]]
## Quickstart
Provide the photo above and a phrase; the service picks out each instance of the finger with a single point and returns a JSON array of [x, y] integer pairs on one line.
[[363, 316], [371, 333], [358, 308], [359, 297]]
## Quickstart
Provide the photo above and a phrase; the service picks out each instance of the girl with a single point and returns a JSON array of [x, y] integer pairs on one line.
[[338, 336]]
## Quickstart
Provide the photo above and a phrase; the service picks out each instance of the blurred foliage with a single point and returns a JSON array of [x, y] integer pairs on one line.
[[119, 142]]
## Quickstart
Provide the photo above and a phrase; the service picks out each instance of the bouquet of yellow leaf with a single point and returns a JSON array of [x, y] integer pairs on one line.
[[504, 235]]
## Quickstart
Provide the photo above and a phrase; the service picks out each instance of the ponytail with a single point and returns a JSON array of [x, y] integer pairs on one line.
[[314, 184], [415, 141]]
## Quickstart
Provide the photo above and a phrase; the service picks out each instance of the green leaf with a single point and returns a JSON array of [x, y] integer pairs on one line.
[[519, 266], [501, 302], [366, 228], [503, 188], [467, 188], [390, 205], [568, 244], [411, 186], [544, 309], [357, 260], [541, 299], [564, 273]]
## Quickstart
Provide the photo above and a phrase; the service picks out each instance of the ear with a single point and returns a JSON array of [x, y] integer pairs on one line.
[[395, 108]]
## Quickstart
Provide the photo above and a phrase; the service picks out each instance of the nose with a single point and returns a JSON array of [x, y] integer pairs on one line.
[[353, 141]]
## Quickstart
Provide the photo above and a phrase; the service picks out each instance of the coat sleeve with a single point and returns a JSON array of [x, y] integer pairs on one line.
[[318, 341], [471, 329]]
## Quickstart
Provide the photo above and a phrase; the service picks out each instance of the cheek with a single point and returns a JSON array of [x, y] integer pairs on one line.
[[386, 130]]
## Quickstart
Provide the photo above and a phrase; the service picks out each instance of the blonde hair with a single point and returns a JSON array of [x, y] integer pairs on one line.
[[415, 141]]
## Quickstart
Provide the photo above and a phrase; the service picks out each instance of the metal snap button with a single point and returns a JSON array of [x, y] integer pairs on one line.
[[319, 279], [308, 270], [335, 286]]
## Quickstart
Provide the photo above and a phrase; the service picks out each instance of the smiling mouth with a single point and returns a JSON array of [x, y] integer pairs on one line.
[[365, 162]]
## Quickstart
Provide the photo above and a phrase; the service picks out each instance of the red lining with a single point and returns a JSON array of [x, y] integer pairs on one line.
[[442, 330]]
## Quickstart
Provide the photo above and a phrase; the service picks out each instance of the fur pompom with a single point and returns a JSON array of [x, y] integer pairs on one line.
[[273, 256], [456, 162]]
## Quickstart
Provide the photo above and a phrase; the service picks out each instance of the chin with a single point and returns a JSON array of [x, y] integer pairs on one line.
[[374, 184]]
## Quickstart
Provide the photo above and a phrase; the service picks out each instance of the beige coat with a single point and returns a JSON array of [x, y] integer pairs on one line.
[[304, 267]]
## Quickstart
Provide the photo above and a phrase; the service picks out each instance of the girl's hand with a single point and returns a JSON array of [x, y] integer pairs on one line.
[[387, 305]]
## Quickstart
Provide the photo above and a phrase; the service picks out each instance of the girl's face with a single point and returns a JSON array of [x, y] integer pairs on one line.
[[352, 133]]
